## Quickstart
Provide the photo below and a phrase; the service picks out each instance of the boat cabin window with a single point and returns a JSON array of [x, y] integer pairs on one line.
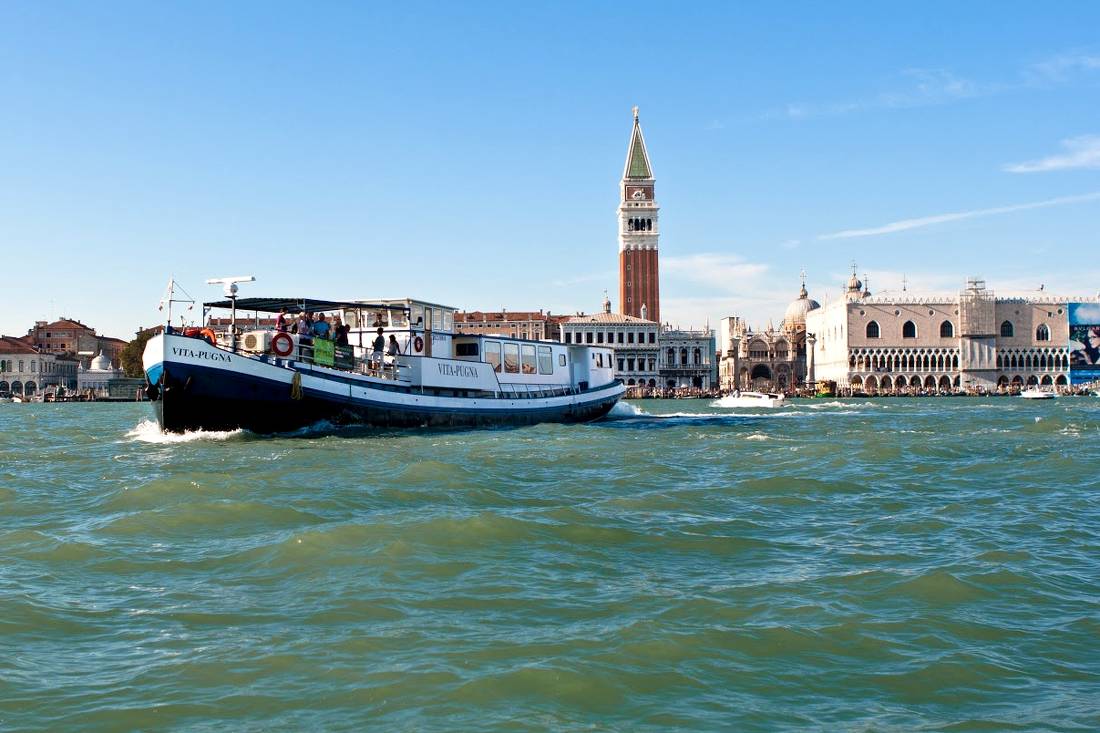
[[561, 359], [399, 319], [546, 360], [528, 359], [351, 317], [466, 349], [448, 321], [492, 354], [511, 358], [416, 315]]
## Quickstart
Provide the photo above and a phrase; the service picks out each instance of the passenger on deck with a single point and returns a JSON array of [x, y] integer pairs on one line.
[[340, 331], [305, 328], [379, 345], [321, 328], [282, 323], [392, 347]]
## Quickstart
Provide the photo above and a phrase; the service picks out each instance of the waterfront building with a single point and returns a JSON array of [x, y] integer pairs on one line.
[[769, 360], [633, 338], [687, 359], [20, 366], [96, 378], [537, 325], [26, 371], [971, 341], [639, 280], [69, 336]]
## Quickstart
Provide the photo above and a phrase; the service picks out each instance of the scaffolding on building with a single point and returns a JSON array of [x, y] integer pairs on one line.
[[976, 309]]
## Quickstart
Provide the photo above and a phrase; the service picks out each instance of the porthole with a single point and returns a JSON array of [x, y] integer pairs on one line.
[[897, 313], [931, 312]]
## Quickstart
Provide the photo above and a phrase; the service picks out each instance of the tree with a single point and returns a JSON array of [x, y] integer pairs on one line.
[[130, 356]]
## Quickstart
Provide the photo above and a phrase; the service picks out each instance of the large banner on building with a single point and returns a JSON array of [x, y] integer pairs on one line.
[[1084, 342]]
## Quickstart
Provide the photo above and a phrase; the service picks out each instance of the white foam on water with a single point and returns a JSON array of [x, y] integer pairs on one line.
[[147, 431], [730, 401], [756, 436], [625, 409]]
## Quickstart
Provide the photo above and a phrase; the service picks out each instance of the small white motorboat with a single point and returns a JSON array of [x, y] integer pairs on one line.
[[751, 399], [1034, 393]]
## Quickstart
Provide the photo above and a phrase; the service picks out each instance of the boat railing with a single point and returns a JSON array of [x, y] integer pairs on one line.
[[322, 353], [328, 354]]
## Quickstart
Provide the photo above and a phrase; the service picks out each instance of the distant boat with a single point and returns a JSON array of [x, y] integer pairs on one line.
[[752, 399], [1034, 393]]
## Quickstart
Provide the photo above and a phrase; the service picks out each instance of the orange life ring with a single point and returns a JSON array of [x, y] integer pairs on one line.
[[282, 338], [209, 336], [418, 344]]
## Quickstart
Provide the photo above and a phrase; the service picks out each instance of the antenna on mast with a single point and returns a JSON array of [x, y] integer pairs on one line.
[[229, 287], [169, 298]]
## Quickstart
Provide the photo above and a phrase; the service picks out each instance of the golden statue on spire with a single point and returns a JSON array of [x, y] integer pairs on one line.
[[635, 110]]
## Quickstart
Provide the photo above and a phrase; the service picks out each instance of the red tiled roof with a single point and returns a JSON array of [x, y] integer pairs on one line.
[[12, 345], [64, 323], [497, 316]]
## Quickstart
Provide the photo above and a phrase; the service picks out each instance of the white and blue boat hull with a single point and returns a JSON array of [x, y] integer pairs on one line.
[[196, 386]]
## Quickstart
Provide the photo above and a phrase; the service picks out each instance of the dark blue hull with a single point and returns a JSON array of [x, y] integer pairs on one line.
[[191, 397]]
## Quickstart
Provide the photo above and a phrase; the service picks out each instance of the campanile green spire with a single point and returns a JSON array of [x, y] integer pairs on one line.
[[637, 160]]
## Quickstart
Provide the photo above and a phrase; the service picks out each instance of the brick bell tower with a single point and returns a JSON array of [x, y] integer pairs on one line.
[[639, 286]]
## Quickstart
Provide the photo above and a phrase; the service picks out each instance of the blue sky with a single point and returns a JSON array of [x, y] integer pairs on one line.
[[471, 153]]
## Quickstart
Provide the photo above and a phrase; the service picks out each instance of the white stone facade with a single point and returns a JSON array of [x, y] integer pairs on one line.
[[973, 341], [635, 341]]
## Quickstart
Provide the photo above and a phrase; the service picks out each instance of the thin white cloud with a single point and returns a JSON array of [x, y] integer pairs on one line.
[[925, 87], [1058, 69], [906, 224], [928, 87], [726, 273], [1081, 152]]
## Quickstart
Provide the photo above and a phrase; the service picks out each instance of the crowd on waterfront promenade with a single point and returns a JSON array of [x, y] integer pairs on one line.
[[679, 393]]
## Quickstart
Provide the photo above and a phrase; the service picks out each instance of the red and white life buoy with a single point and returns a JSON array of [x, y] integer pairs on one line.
[[282, 344], [418, 344]]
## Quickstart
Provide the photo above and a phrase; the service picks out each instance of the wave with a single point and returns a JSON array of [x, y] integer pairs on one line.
[[625, 409], [148, 431]]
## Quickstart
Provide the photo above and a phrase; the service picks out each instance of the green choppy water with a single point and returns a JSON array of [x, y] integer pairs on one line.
[[868, 566]]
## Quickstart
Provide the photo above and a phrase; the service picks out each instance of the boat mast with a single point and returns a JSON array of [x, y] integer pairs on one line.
[[229, 287]]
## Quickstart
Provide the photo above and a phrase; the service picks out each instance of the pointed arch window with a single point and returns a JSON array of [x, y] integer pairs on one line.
[[1007, 330], [909, 330], [947, 330], [1042, 333], [873, 330]]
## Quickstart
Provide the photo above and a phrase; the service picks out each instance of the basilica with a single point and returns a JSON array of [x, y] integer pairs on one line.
[[771, 360]]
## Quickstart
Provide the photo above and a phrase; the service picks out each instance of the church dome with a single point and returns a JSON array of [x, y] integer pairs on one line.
[[100, 364], [795, 317]]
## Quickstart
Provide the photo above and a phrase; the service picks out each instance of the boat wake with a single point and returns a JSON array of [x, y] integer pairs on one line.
[[625, 413], [730, 401], [147, 431]]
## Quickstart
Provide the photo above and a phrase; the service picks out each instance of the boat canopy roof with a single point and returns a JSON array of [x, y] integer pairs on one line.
[[299, 305]]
